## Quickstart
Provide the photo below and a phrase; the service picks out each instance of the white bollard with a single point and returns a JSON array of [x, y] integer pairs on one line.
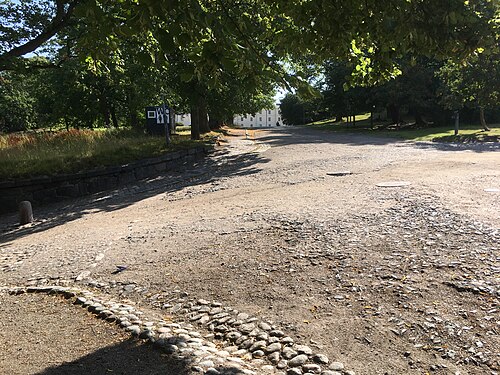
[[25, 212]]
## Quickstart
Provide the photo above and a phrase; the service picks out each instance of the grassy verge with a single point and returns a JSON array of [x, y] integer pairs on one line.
[[48, 153], [467, 134]]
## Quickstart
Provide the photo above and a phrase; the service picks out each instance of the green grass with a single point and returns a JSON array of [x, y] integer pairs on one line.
[[48, 153], [183, 130], [468, 133]]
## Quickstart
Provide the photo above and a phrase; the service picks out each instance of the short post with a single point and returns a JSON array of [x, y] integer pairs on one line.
[[456, 116], [25, 212]]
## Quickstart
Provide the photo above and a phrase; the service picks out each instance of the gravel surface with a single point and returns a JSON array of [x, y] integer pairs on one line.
[[371, 279]]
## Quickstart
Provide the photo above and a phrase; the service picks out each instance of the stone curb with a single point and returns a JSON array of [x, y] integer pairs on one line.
[[263, 341], [46, 189], [249, 346]]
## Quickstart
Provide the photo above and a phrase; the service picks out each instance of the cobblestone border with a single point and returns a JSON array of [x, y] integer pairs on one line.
[[45, 189], [244, 344]]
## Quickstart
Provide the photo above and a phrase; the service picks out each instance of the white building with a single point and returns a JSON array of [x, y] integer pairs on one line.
[[184, 119], [266, 118]]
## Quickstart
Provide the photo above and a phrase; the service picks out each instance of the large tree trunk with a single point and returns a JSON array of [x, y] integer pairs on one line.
[[393, 111], [419, 120], [113, 116], [107, 120], [172, 122], [214, 123], [481, 118], [134, 120], [457, 121], [203, 116], [104, 109], [195, 124]]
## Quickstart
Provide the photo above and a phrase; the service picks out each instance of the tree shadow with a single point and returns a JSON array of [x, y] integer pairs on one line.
[[206, 171], [221, 165], [445, 146], [128, 357], [294, 135], [131, 357]]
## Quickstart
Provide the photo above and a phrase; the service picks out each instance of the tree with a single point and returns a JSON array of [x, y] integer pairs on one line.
[[27, 25], [340, 99], [474, 82], [373, 34], [209, 40], [415, 88], [292, 110], [16, 103]]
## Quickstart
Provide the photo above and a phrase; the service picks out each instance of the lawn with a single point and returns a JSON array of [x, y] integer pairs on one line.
[[48, 153], [468, 133]]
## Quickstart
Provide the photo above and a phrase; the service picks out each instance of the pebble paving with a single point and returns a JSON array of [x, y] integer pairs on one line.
[[237, 343], [419, 247]]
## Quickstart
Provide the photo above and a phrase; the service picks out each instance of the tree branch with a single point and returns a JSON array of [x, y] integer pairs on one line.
[[58, 23]]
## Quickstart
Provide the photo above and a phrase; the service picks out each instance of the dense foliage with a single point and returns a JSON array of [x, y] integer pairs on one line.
[[104, 61], [426, 93]]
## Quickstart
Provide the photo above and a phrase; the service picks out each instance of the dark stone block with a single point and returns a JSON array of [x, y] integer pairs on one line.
[[45, 195], [68, 190], [42, 180], [126, 178], [114, 170], [83, 188], [139, 174], [9, 184], [94, 185], [160, 167], [9, 203], [172, 165], [109, 182], [175, 155]]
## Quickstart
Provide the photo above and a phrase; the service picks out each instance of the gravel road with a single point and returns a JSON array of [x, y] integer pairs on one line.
[[386, 280]]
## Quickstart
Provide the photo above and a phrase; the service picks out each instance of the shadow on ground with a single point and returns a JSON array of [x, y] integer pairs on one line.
[[220, 165], [128, 357], [308, 135], [209, 170]]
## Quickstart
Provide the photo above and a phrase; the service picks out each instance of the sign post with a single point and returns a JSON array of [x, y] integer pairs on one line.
[[166, 114], [158, 121]]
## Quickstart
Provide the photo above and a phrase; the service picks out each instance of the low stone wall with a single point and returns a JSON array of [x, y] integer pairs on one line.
[[46, 189]]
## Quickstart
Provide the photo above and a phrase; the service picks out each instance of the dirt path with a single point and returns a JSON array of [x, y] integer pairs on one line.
[[386, 280], [44, 335]]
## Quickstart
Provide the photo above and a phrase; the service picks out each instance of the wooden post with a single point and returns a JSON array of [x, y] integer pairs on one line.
[[25, 213]]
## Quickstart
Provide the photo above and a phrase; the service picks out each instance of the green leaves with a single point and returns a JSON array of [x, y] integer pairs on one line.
[[187, 73], [474, 81], [165, 40]]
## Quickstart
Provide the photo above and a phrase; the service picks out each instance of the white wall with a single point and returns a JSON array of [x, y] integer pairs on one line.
[[184, 119], [266, 118]]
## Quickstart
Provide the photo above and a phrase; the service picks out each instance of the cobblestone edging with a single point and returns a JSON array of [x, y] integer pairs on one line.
[[237, 344], [45, 189], [258, 340]]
